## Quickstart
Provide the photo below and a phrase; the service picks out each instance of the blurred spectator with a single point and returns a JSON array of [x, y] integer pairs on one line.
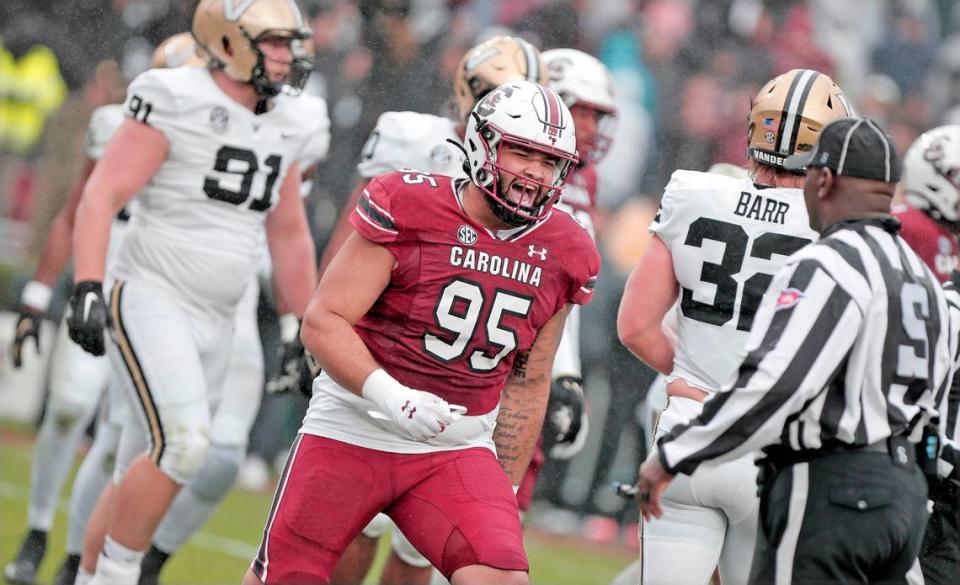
[[621, 171], [795, 47], [98, 30], [908, 54], [405, 44], [849, 31], [555, 24], [880, 99], [31, 89], [339, 76], [666, 25], [62, 156], [944, 86]]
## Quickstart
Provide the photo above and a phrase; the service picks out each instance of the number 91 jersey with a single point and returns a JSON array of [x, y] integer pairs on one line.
[[463, 302], [727, 238], [198, 231]]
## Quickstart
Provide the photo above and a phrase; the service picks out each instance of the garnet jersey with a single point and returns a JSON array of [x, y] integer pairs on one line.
[[727, 238], [408, 140], [461, 304], [580, 195], [198, 231], [932, 241]]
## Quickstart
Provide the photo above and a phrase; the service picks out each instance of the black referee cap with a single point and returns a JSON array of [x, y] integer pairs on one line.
[[852, 147]]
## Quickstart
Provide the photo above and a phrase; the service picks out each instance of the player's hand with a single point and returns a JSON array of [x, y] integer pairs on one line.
[[418, 415], [566, 424], [28, 327], [297, 367], [88, 316], [652, 480]]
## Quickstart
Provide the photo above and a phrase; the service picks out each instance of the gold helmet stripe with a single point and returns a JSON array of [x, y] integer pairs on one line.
[[793, 109], [533, 61]]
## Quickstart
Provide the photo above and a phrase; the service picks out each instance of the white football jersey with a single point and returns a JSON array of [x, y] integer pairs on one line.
[[103, 125], [198, 228], [408, 140], [318, 142], [728, 238]]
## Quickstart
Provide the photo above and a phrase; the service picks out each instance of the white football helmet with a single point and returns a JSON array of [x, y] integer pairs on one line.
[[583, 80], [520, 113], [931, 173]]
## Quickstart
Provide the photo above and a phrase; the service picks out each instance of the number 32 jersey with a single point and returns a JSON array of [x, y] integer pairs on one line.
[[727, 238], [199, 227]]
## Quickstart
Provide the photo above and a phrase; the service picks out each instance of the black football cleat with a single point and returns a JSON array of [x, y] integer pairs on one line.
[[23, 569], [67, 573]]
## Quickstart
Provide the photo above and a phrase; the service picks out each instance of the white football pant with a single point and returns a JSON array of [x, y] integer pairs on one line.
[[709, 519]]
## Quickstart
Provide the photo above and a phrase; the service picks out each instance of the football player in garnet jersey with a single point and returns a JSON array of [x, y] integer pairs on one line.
[[213, 153], [719, 241], [411, 140], [437, 321], [931, 188]]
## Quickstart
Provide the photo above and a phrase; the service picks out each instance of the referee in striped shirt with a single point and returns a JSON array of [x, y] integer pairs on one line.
[[940, 550], [848, 365]]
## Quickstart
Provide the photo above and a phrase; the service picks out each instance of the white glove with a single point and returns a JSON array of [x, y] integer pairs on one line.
[[419, 415]]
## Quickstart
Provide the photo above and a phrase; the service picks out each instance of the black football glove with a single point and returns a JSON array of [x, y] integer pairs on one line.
[[28, 327], [565, 426], [89, 317], [297, 366]]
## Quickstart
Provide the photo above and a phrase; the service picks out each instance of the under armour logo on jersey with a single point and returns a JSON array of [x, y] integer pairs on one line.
[[532, 251], [467, 235], [788, 298], [404, 408]]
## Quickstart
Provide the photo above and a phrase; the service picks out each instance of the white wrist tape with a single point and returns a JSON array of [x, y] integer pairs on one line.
[[36, 295], [379, 386], [289, 327]]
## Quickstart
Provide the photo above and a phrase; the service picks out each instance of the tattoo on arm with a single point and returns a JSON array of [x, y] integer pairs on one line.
[[518, 425], [520, 364], [523, 404]]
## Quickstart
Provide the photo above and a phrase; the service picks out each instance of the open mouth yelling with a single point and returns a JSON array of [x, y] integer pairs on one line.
[[524, 193]]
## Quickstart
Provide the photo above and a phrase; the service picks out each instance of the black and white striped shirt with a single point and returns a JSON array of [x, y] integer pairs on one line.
[[851, 344], [951, 421]]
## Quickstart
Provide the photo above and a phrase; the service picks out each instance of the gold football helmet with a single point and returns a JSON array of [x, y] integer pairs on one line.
[[229, 31], [178, 50], [788, 113], [491, 64]]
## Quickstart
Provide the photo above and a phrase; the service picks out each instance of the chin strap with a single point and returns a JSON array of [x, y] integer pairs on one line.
[[463, 149]]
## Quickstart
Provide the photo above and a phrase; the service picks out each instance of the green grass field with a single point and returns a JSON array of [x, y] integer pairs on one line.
[[221, 551]]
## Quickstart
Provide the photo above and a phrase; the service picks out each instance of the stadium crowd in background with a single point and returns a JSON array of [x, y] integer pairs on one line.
[[685, 72]]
